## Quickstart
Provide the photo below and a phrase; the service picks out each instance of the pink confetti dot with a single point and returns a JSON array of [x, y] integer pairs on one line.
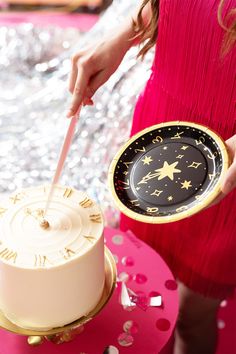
[[220, 324], [163, 324], [223, 303], [171, 284], [140, 278]]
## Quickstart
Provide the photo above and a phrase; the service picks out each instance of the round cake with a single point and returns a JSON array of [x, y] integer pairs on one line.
[[51, 272]]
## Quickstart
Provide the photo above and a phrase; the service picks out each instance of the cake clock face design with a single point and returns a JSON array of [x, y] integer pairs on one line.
[[168, 171], [75, 225]]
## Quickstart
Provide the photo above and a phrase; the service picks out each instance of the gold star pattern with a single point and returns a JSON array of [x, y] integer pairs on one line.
[[156, 193], [179, 156], [195, 164], [168, 170], [170, 198], [184, 147], [186, 185], [147, 160]]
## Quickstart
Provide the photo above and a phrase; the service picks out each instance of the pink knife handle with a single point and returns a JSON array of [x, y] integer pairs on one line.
[[62, 158]]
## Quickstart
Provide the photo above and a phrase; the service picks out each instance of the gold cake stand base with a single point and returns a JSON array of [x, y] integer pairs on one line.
[[68, 332]]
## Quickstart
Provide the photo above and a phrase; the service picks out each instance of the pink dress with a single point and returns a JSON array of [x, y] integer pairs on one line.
[[190, 82]]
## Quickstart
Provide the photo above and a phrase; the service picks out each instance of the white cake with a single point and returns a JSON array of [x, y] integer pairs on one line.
[[50, 277]]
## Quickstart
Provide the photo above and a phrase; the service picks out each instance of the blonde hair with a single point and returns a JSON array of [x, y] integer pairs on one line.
[[149, 31]]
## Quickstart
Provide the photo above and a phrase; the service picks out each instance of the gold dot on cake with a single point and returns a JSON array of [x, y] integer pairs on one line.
[[35, 340], [44, 224]]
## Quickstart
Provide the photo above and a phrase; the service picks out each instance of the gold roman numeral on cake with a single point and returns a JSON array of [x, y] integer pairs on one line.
[[86, 203], [67, 193], [16, 198], [40, 260], [2, 211], [8, 255], [67, 253], [90, 238], [97, 218]]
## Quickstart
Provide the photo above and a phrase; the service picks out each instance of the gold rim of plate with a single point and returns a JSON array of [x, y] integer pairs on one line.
[[110, 282], [181, 215]]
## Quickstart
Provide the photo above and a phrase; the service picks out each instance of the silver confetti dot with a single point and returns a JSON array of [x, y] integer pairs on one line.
[[129, 308], [127, 261], [124, 276], [116, 258], [118, 239], [125, 340], [130, 327], [111, 350]]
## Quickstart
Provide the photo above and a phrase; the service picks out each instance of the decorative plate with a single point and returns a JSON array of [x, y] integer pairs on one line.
[[168, 172]]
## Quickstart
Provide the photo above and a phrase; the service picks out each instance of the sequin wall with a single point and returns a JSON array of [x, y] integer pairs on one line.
[[34, 68]]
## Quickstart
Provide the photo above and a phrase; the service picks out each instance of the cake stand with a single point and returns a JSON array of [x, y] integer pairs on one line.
[[67, 332]]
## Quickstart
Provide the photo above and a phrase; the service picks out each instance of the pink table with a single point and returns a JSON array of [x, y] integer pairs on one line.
[[139, 330]]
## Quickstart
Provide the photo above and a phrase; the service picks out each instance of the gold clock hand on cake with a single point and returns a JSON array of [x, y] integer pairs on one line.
[[60, 164]]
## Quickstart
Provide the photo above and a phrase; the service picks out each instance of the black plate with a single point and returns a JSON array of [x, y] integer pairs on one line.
[[168, 172]]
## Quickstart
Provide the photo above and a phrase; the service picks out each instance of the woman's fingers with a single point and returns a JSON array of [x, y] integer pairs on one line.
[[73, 73], [229, 182], [88, 102], [79, 91]]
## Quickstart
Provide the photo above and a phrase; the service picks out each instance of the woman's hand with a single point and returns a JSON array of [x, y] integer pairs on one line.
[[229, 182], [92, 67]]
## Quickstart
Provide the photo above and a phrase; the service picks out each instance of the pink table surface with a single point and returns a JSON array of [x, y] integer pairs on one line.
[[151, 327]]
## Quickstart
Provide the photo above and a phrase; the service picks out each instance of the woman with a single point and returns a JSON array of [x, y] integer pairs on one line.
[[193, 78]]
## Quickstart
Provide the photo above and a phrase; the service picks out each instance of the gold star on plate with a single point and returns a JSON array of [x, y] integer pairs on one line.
[[170, 198], [156, 193], [147, 160], [195, 164], [184, 147], [186, 185], [168, 170]]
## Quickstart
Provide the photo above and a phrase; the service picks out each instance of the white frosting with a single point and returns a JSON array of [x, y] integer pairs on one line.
[[50, 277]]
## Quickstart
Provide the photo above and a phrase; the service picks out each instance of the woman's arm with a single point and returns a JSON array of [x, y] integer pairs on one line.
[[92, 67]]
